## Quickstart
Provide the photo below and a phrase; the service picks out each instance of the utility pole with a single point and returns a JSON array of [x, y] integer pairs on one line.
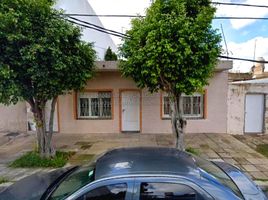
[[255, 49], [227, 52]]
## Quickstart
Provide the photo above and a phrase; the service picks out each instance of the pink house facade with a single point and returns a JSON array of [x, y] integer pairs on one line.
[[113, 104]]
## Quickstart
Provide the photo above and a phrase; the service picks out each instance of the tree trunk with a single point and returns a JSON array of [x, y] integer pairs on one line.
[[39, 117], [177, 121], [45, 148], [51, 151]]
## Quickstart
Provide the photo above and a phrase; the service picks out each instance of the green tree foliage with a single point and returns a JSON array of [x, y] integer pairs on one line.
[[41, 57], [110, 55], [173, 49]]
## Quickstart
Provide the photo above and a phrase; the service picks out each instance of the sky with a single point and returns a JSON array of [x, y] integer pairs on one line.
[[241, 35]]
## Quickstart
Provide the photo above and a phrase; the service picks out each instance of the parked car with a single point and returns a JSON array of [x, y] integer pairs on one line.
[[139, 173]]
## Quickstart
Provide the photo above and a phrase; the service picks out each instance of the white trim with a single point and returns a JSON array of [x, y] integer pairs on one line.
[[196, 94], [190, 116], [89, 96], [163, 107]]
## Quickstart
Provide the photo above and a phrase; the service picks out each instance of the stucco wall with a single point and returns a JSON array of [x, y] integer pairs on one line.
[[13, 118], [216, 121], [151, 119], [104, 80], [236, 105]]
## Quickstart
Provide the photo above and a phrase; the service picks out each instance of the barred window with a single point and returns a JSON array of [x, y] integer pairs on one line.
[[166, 106], [84, 107], [95, 105], [192, 106], [187, 105]]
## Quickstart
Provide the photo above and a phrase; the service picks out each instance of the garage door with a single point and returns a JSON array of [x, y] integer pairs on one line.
[[254, 113]]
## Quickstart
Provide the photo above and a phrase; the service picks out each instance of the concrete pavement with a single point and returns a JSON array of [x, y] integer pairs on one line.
[[211, 146]]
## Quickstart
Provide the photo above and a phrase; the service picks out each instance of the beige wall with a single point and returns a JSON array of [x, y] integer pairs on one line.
[[13, 118], [151, 120]]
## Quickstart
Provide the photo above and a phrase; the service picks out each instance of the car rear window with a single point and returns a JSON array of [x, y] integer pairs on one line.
[[76, 180], [218, 174]]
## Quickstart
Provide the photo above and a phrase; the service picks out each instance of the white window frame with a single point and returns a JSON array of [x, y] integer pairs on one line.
[[188, 116], [201, 114], [89, 95], [166, 116]]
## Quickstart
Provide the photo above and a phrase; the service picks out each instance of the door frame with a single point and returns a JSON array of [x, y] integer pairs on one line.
[[263, 115], [120, 106]]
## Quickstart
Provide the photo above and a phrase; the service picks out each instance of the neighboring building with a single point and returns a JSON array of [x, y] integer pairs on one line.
[[258, 70], [13, 118], [248, 107], [101, 40], [248, 103], [233, 76]]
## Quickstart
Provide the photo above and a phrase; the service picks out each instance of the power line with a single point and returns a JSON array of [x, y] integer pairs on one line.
[[225, 57], [223, 35], [243, 18], [240, 4], [133, 16], [117, 34], [93, 15], [216, 3], [243, 59], [99, 27]]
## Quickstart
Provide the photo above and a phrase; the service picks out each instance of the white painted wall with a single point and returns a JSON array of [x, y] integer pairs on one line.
[[235, 113], [101, 40], [236, 105]]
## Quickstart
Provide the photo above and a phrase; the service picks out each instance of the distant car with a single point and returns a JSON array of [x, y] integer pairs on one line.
[[139, 173]]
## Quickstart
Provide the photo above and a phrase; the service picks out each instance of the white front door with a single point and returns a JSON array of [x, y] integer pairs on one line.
[[130, 111], [254, 113]]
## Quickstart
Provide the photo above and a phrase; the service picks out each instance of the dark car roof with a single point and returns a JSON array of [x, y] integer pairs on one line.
[[145, 160]]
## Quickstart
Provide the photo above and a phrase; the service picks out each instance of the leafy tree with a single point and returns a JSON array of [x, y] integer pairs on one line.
[[41, 57], [110, 55], [173, 49]]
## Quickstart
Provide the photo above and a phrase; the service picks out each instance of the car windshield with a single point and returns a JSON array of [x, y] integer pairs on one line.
[[76, 180], [218, 174]]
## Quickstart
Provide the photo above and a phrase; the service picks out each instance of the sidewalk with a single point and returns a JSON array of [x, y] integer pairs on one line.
[[211, 146], [233, 151]]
